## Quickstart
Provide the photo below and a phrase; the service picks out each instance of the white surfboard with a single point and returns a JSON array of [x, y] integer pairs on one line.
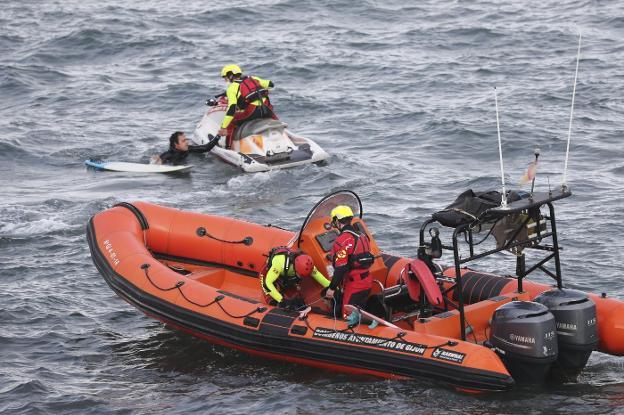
[[123, 166]]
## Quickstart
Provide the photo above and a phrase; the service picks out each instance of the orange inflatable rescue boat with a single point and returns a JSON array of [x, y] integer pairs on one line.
[[474, 330]]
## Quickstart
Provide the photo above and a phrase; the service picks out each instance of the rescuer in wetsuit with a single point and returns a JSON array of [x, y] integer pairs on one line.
[[282, 274], [179, 149], [248, 99], [351, 260]]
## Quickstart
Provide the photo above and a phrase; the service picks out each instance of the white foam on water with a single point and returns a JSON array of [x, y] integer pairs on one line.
[[37, 227]]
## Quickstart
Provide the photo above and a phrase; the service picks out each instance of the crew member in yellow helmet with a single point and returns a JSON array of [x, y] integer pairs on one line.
[[351, 254], [248, 99]]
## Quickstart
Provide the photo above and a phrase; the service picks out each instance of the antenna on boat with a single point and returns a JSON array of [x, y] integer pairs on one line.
[[564, 185], [549, 189], [500, 153], [537, 154]]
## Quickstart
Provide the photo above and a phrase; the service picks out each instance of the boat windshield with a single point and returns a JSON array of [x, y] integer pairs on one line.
[[322, 209]]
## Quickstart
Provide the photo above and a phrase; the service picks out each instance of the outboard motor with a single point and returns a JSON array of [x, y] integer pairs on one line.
[[523, 335], [577, 331]]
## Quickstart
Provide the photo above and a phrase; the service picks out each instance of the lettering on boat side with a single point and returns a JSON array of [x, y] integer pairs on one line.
[[380, 342], [111, 252], [450, 355]]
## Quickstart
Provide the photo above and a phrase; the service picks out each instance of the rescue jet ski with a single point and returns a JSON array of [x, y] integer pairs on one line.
[[258, 145]]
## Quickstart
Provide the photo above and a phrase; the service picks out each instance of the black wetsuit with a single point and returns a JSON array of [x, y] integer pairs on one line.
[[177, 157]]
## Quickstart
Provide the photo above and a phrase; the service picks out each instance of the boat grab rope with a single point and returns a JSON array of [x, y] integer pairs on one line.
[[217, 300], [201, 232], [349, 330]]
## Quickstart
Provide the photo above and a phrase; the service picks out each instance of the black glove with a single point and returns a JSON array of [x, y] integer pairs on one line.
[[286, 303], [213, 138], [211, 102]]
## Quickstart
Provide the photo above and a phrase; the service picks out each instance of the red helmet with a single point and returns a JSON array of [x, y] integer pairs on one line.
[[304, 265]]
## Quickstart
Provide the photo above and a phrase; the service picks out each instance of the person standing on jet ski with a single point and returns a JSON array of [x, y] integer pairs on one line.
[[179, 149], [351, 260], [248, 99]]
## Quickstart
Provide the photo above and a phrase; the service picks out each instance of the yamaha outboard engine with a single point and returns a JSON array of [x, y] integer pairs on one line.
[[577, 331], [523, 335]]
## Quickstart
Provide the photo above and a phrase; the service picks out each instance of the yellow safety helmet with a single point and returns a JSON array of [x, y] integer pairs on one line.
[[341, 212], [234, 69]]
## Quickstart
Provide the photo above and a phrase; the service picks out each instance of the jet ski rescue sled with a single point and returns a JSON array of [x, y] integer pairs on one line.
[[258, 145], [474, 330]]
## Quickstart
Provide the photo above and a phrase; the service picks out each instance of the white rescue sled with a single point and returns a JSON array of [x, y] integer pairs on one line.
[[258, 145]]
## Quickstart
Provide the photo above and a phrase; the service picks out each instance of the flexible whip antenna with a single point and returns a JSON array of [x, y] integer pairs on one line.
[[500, 153], [537, 154], [564, 185]]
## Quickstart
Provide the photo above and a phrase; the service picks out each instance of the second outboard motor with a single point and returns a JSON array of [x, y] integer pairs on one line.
[[577, 330], [523, 335]]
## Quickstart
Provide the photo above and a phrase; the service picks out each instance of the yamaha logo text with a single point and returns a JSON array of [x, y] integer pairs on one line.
[[521, 339]]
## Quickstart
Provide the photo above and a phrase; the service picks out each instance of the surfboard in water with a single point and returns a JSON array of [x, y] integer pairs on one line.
[[123, 166]]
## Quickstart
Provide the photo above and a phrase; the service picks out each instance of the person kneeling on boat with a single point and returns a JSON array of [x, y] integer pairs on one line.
[[351, 260], [179, 149], [282, 274], [248, 99]]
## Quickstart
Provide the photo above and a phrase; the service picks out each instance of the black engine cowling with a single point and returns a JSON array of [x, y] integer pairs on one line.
[[577, 329], [523, 335]]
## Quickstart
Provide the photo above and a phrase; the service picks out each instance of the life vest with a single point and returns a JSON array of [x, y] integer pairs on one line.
[[249, 91], [284, 281], [361, 258]]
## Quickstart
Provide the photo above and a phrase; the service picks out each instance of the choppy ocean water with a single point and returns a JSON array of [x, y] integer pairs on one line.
[[399, 93]]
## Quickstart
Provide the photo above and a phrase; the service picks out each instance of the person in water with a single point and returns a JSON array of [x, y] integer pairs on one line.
[[351, 282], [248, 99], [282, 274], [179, 149]]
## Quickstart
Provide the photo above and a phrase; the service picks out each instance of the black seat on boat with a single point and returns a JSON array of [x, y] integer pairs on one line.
[[417, 294], [383, 304]]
